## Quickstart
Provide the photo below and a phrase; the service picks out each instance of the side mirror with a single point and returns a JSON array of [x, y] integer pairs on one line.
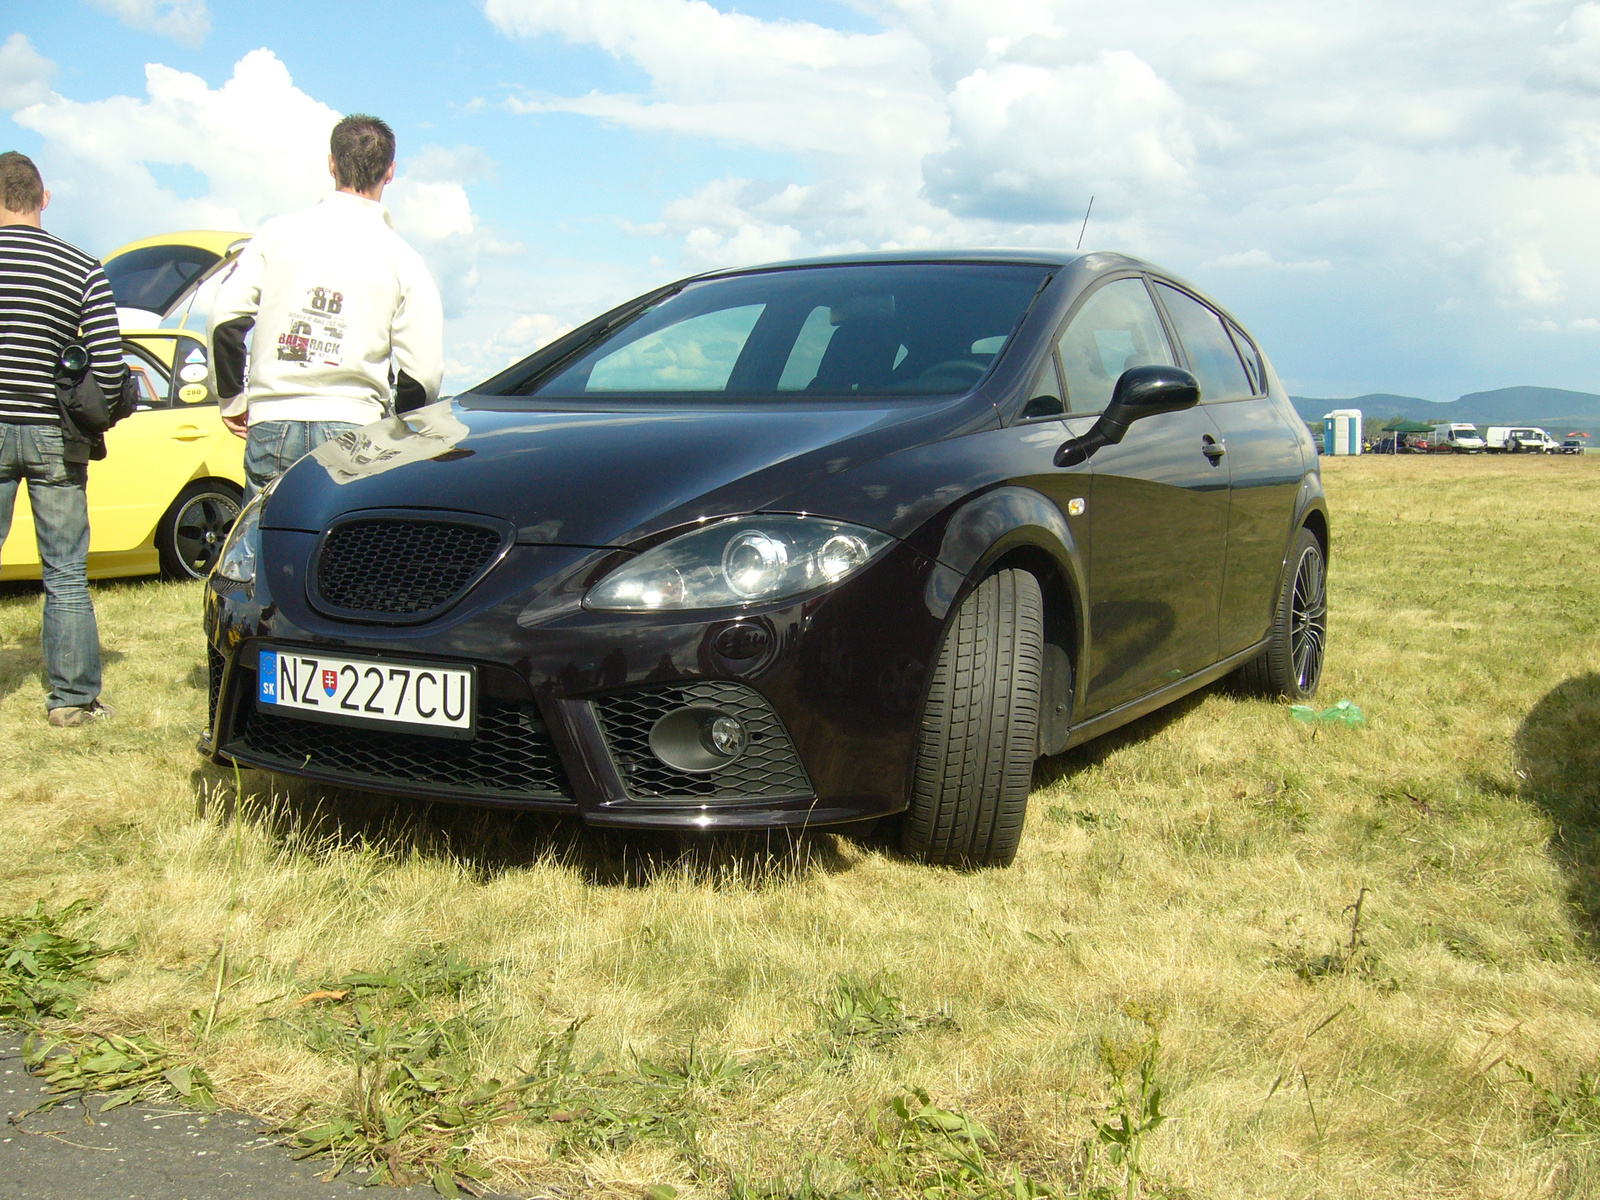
[[1140, 392]]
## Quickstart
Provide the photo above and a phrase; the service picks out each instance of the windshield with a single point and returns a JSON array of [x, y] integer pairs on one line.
[[892, 329], [152, 278]]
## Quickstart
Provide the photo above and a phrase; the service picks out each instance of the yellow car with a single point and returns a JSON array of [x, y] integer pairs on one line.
[[169, 488]]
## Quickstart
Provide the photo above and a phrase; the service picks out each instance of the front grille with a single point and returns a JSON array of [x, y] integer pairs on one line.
[[769, 767], [400, 567], [511, 758]]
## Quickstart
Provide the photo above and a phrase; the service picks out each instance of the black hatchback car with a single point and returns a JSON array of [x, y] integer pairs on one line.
[[801, 544]]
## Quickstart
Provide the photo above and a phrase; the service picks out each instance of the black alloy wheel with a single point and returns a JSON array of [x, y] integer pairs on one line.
[[1291, 664], [190, 537], [975, 752]]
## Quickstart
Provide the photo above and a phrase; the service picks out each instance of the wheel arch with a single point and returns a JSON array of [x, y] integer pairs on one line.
[[1019, 528]]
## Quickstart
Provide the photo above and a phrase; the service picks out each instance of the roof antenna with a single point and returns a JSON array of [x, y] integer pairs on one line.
[[1086, 213]]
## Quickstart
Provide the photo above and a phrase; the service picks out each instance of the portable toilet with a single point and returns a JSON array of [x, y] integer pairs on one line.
[[1341, 431]]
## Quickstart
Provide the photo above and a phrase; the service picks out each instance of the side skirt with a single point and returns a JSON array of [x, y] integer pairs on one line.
[[1135, 709]]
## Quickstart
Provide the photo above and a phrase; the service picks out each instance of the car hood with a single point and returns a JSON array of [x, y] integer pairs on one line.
[[603, 476]]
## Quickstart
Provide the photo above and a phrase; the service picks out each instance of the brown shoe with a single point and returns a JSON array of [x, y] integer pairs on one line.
[[71, 716]]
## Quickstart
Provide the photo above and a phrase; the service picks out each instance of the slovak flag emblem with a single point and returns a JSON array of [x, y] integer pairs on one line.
[[330, 681]]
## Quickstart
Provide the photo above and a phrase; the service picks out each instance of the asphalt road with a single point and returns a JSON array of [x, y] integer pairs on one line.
[[146, 1152]]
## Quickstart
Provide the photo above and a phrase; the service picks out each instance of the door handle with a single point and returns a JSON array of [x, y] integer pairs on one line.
[[1212, 449], [188, 433]]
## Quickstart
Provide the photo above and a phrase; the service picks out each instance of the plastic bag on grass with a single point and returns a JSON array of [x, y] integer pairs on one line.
[[1342, 713]]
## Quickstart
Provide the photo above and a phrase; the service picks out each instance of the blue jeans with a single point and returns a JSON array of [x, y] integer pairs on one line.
[[275, 446], [61, 527]]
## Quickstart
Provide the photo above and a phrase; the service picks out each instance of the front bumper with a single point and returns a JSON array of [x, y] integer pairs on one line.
[[568, 697]]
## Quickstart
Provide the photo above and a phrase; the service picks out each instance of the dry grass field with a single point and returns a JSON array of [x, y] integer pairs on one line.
[[812, 1017]]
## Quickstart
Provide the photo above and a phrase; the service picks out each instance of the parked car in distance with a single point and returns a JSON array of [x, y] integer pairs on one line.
[[1457, 436], [1518, 439], [796, 545], [168, 491], [1571, 445]]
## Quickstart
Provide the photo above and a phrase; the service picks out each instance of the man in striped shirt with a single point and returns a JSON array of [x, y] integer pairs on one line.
[[50, 294]]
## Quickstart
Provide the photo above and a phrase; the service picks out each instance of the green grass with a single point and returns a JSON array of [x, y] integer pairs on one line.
[[539, 1006]]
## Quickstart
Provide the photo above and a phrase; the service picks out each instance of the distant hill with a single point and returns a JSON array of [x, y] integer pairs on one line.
[[1504, 406]]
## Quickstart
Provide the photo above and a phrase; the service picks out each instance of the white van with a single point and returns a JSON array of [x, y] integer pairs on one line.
[[1457, 436], [1518, 439]]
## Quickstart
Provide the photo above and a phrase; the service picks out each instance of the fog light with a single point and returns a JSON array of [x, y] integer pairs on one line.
[[698, 739], [726, 736]]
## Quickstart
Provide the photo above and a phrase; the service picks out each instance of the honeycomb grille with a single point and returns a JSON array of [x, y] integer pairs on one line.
[[512, 756], [393, 567], [214, 666], [768, 768]]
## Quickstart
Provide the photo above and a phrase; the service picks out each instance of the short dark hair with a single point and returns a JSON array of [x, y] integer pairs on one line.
[[363, 149], [21, 188]]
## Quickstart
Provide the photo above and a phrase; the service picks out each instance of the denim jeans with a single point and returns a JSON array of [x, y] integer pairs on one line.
[[61, 527], [275, 446]]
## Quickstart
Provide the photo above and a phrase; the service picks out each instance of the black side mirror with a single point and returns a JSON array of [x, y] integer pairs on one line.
[[1140, 392]]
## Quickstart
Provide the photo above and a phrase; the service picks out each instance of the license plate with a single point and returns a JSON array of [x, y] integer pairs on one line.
[[426, 697]]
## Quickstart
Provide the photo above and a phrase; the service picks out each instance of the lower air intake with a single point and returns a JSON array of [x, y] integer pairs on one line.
[[511, 758], [768, 769]]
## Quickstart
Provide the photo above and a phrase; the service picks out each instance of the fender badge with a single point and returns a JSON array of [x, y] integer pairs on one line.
[[1075, 506]]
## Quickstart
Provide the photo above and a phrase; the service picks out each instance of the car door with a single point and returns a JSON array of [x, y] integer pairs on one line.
[[1263, 454], [1158, 510], [154, 453]]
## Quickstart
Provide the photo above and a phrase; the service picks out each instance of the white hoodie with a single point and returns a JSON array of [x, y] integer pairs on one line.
[[335, 296]]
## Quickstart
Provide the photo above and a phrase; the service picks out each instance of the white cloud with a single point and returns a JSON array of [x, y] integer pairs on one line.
[[106, 154], [1369, 145], [1034, 141], [1261, 260], [1576, 56], [186, 21], [24, 73], [255, 147]]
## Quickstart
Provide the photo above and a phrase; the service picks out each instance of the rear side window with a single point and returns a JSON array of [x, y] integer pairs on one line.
[[1117, 328], [1253, 365], [1212, 356]]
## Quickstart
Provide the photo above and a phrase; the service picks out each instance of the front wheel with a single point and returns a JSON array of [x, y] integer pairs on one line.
[[1291, 663], [190, 537], [979, 733]]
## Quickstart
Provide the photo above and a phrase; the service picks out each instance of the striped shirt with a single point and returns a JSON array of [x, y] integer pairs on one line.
[[49, 292]]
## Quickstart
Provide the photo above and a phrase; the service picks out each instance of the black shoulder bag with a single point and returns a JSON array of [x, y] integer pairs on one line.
[[86, 413]]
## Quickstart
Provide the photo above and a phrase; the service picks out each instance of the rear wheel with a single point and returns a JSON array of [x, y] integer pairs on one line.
[[1291, 663], [980, 729], [190, 536]]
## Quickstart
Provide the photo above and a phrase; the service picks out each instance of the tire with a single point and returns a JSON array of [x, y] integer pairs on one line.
[[979, 735], [190, 536], [1291, 664]]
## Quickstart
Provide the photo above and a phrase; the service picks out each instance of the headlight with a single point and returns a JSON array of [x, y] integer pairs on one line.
[[744, 560], [243, 547]]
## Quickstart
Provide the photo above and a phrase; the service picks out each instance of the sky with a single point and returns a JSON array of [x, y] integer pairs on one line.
[[1393, 195]]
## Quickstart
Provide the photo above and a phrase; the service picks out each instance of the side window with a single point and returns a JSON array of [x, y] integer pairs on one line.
[[1212, 356], [1253, 365], [809, 347], [148, 378], [1117, 328]]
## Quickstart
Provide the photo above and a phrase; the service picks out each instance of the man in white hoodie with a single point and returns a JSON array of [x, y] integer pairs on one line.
[[348, 324]]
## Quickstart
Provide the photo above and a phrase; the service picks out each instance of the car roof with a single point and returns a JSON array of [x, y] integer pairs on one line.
[[985, 254]]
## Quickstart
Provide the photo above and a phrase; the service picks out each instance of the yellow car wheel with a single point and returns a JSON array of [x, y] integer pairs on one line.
[[190, 536]]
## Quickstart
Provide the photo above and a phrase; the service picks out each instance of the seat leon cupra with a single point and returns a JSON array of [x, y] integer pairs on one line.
[[801, 544]]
